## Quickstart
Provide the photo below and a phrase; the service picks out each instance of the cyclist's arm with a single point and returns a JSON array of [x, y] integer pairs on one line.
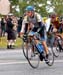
[[40, 20], [22, 29], [24, 24]]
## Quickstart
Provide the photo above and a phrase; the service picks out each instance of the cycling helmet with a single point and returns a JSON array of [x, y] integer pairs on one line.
[[29, 8]]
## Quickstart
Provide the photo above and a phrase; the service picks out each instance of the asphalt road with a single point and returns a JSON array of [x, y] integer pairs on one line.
[[13, 62]]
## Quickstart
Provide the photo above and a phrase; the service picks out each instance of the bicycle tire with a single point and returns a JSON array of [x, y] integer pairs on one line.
[[58, 46], [34, 61], [25, 50], [50, 57]]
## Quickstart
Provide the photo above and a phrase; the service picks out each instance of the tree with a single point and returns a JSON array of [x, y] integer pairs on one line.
[[41, 6], [14, 4], [58, 4]]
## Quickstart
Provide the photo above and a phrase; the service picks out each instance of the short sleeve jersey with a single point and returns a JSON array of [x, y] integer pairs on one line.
[[34, 20]]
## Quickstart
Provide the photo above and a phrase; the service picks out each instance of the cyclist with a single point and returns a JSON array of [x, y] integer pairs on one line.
[[55, 22], [33, 21], [61, 25], [56, 26]]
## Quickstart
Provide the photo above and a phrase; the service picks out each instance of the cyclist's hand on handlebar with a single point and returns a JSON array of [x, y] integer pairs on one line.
[[54, 30]]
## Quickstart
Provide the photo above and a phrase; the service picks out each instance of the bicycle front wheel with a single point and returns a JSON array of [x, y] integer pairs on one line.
[[33, 57], [56, 50], [25, 49], [57, 46]]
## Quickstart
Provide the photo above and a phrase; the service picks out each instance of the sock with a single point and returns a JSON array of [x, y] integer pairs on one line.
[[13, 44], [9, 44]]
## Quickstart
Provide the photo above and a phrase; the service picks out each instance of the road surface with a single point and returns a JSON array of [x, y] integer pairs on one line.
[[13, 62]]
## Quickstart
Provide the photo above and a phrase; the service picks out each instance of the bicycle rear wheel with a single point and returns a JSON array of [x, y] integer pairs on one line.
[[33, 57], [50, 57]]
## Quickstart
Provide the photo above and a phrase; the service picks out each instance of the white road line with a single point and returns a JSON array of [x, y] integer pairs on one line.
[[24, 62], [10, 63], [58, 61]]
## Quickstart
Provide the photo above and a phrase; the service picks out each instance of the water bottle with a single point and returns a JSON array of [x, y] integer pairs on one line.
[[40, 47]]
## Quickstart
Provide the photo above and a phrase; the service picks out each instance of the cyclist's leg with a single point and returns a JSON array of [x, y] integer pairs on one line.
[[43, 38], [45, 46]]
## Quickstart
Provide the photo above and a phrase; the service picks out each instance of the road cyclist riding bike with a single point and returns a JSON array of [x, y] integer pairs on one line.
[[55, 34], [57, 27], [32, 23]]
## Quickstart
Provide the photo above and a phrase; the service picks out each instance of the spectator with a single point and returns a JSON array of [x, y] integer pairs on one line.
[[61, 26], [14, 21], [10, 32], [19, 26], [0, 30], [2, 27]]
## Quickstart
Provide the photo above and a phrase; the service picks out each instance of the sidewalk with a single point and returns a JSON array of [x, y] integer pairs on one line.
[[20, 48]]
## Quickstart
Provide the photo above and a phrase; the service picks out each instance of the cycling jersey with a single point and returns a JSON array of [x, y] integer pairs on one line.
[[37, 25], [35, 20]]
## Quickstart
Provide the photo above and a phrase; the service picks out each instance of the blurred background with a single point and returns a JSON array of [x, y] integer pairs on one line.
[[44, 7], [17, 9]]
